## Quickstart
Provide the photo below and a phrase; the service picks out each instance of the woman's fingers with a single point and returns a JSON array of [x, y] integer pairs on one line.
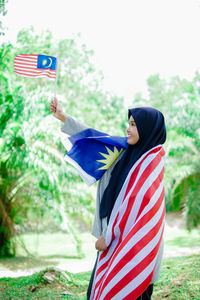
[[52, 106], [100, 244]]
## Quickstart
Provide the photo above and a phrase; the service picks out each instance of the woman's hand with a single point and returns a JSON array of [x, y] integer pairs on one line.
[[100, 244], [56, 109]]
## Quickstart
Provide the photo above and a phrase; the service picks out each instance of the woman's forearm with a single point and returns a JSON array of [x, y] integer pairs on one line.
[[62, 117]]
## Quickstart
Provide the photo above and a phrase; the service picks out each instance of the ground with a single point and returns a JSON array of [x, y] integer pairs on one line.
[[57, 251]]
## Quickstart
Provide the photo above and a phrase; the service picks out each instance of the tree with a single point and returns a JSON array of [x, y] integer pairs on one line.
[[33, 175], [179, 100], [3, 12], [11, 141]]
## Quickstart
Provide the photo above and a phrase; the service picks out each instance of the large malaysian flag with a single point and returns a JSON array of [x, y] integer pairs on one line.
[[92, 152], [134, 233], [35, 65]]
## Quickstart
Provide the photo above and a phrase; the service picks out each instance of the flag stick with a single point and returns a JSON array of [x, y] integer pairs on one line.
[[55, 83]]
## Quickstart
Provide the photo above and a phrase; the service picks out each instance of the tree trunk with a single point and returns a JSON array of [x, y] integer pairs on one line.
[[6, 231]]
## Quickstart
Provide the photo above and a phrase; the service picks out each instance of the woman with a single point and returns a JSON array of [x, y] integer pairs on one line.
[[130, 209]]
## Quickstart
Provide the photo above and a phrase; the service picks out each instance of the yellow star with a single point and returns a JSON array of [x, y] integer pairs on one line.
[[109, 158]]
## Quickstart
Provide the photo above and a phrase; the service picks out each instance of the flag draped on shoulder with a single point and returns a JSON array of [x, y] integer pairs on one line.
[[92, 152], [134, 233], [35, 65]]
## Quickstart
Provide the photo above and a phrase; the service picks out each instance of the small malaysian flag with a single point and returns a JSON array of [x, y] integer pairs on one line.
[[35, 65]]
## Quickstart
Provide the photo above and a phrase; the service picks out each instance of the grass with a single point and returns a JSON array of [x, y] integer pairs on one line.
[[37, 287], [57, 250], [51, 250], [181, 238], [180, 279], [59, 243]]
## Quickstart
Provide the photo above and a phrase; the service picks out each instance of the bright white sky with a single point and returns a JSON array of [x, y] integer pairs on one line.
[[132, 39]]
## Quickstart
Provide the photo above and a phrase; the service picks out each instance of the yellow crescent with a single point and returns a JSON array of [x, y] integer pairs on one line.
[[49, 63]]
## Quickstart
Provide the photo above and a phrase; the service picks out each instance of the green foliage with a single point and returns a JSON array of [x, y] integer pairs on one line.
[[12, 165], [34, 178], [3, 12], [179, 100]]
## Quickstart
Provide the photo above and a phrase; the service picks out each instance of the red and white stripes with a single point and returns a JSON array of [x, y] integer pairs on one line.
[[134, 232], [26, 65]]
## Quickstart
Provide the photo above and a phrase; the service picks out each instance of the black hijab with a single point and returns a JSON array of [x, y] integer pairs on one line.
[[151, 128]]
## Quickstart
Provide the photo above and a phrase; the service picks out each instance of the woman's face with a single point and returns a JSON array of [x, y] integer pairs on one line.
[[133, 136]]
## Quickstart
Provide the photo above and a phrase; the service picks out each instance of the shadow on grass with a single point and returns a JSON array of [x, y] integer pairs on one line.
[[61, 256], [184, 242], [23, 263]]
